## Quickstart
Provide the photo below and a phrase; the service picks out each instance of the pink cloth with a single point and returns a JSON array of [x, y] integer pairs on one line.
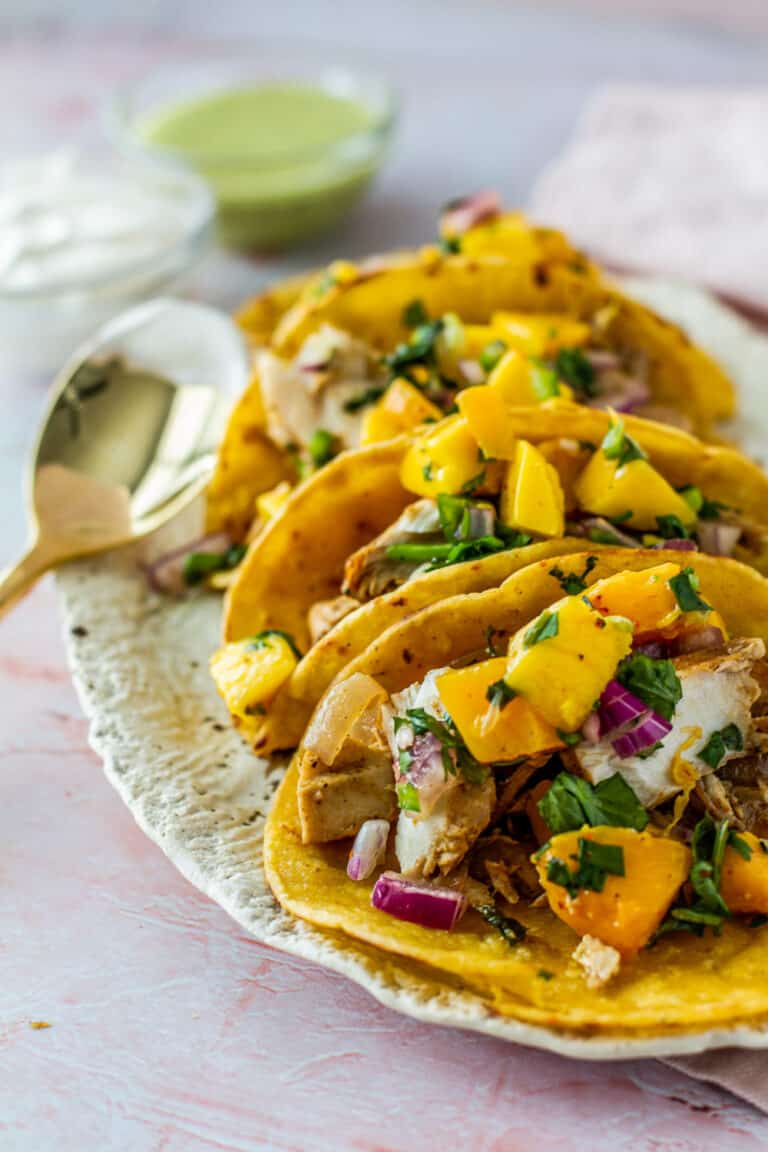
[[738, 1070], [669, 181]]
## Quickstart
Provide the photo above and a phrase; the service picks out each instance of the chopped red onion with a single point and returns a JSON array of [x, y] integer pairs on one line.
[[482, 521], [620, 391], [696, 640], [417, 902], [166, 573], [648, 732], [619, 706], [471, 371], [426, 771], [717, 538], [678, 544], [368, 849], [656, 649], [465, 214], [602, 359], [591, 728], [602, 525]]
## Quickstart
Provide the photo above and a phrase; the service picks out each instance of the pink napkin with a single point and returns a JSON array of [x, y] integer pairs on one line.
[[671, 181], [674, 181]]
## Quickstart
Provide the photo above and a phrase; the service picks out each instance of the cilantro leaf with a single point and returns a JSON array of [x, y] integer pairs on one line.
[[570, 582], [575, 369], [571, 802], [499, 694], [491, 354], [198, 565], [671, 527], [407, 796], [595, 862], [512, 930], [363, 399], [261, 640], [655, 682], [728, 739], [322, 447], [686, 587], [619, 446], [414, 315], [544, 381], [544, 628]]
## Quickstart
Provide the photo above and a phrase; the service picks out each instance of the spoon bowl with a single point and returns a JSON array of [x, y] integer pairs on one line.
[[130, 433]]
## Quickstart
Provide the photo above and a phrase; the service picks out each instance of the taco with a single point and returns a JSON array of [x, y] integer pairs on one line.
[[554, 791], [560, 474], [372, 350]]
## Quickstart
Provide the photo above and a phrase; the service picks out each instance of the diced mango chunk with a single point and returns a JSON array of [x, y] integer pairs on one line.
[[644, 597], [442, 459], [485, 411], [569, 460], [629, 909], [607, 489], [522, 381], [540, 334], [401, 408], [249, 673], [562, 661], [491, 732], [744, 883], [532, 498]]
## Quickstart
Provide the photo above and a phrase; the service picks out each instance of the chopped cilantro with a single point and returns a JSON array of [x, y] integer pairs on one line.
[[322, 447], [261, 640], [473, 483], [570, 739], [728, 739], [450, 245], [594, 863], [571, 582], [491, 354], [419, 349], [414, 315], [575, 369], [709, 910], [427, 470], [655, 682], [499, 694], [198, 565], [619, 446], [545, 974], [671, 527], [407, 796], [686, 587], [544, 381], [711, 509], [446, 733], [571, 802], [544, 628], [512, 930], [490, 648], [692, 496], [364, 399]]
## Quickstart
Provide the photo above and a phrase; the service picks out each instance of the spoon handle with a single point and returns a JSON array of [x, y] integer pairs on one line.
[[19, 578]]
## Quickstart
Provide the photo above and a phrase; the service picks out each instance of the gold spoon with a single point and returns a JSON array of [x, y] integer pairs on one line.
[[129, 435]]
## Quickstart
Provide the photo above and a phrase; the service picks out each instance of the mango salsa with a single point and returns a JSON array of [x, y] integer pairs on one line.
[[630, 907], [744, 883], [249, 673], [643, 597], [543, 334], [443, 459], [521, 381], [531, 497], [563, 660], [485, 410], [569, 460], [401, 408], [634, 491], [490, 731]]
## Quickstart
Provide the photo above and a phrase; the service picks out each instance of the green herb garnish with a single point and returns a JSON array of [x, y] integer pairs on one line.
[[499, 694], [512, 930], [671, 527], [692, 496], [544, 381], [363, 399], [575, 369], [491, 354], [198, 565], [419, 349], [414, 315], [619, 446], [571, 582], [322, 447], [571, 802], [407, 796], [446, 733], [594, 863], [686, 587], [261, 640], [449, 244], [728, 739], [544, 628], [711, 509], [655, 682]]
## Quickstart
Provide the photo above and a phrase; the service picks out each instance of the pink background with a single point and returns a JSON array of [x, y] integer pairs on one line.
[[171, 1031]]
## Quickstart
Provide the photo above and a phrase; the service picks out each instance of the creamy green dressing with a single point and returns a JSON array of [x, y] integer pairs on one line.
[[272, 155]]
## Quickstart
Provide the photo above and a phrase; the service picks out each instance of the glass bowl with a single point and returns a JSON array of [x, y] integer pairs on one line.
[[274, 186], [85, 237]]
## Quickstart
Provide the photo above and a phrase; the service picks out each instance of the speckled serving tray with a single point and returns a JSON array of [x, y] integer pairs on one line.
[[140, 666]]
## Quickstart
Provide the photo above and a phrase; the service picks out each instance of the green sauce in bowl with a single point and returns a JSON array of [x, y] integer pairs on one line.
[[284, 160]]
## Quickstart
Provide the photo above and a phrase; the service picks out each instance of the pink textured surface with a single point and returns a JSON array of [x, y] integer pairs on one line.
[[171, 1031], [174, 1032]]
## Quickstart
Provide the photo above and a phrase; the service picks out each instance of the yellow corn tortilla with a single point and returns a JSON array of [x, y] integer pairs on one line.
[[369, 303], [683, 983], [299, 557], [259, 316]]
